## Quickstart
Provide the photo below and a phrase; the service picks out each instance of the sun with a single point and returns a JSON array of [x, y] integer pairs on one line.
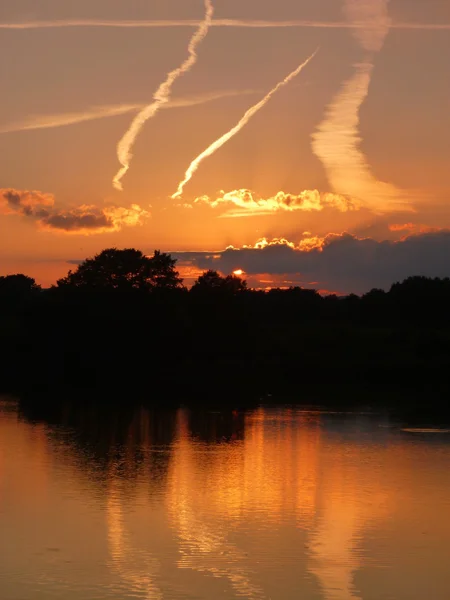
[[238, 272]]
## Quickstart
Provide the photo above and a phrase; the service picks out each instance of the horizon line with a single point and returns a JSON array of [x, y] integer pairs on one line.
[[239, 23]]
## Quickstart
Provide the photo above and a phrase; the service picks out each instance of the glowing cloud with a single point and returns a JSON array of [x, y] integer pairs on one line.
[[237, 128], [336, 141], [102, 112], [409, 229], [264, 242], [161, 97], [307, 244], [84, 219], [245, 203]]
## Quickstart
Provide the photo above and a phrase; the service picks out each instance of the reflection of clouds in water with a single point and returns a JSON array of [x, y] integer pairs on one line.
[[324, 505], [203, 547], [353, 502], [333, 554], [204, 550], [283, 467], [137, 568], [272, 473]]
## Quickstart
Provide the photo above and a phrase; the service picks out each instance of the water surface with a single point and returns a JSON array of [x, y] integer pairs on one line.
[[275, 504]]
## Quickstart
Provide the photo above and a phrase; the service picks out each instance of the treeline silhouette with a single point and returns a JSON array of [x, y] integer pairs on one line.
[[123, 325]]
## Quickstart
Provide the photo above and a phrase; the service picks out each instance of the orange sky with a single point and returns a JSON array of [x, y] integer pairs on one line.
[[355, 142]]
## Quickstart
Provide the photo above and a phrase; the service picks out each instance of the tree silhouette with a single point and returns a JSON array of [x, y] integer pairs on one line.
[[18, 285], [212, 282], [125, 270], [87, 334], [235, 284], [209, 280]]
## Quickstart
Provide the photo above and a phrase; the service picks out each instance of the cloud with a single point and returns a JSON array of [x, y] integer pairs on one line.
[[375, 20], [84, 219], [24, 202], [244, 202], [264, 242], [412, 228], [88, 219], [93, 113], [341, 262], [336, 142], [239, 23], [71, 118]]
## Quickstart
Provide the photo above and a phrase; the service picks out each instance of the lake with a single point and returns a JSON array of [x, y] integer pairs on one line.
[[273, 503]]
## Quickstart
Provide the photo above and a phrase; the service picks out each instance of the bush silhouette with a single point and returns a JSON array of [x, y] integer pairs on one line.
[[212, 282]]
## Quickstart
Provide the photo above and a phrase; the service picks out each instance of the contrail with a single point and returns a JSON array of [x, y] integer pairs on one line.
[[336, 142], [237, 128], [238, 23], [161, 97], [94, 113], [375, 17]]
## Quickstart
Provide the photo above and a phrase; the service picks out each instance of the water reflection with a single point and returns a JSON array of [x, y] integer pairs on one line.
[[141, 459], [351, 500], [204, 539], [272, 475], [138, 569], [272, 503]]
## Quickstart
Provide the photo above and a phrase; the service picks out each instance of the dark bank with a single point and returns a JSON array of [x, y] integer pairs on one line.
[[123, 326]]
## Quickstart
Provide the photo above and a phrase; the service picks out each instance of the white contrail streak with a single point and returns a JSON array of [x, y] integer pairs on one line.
[[237, 128], [70, 118], [375, 15], [94, 113], [336, 144], [237, 23], [161, 97], [336, 141]]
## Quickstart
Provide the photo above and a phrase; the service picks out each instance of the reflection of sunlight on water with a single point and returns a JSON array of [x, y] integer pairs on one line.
[[351, 500], [291, 487], [334, 546], [204, 547], [20, 444], [284, 467], [137, 568], [274, 503], [325, 485]]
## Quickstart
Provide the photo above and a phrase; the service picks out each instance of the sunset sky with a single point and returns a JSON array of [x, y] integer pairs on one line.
[[340, 181]]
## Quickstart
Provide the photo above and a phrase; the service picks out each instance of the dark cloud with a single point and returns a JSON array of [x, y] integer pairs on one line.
[[75, 220], [24, 202], [340, 262], [83, 219], [12, 198]]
